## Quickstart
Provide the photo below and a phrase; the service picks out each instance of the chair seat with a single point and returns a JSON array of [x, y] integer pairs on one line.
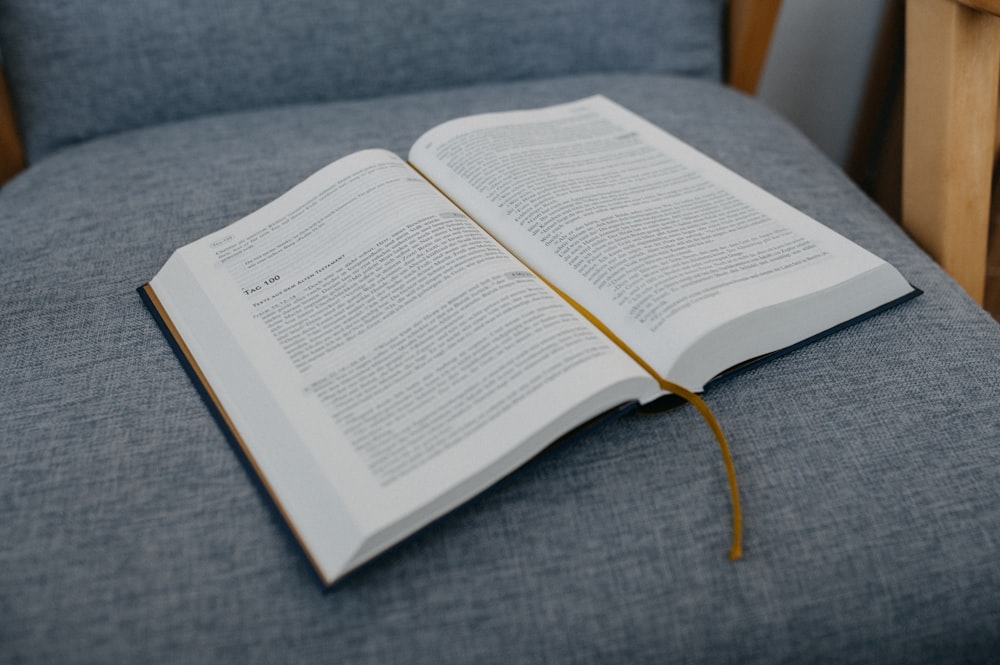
[[867, 461]]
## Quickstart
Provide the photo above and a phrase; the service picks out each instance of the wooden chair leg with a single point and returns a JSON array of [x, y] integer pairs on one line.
[[11, 152], [951, 82]]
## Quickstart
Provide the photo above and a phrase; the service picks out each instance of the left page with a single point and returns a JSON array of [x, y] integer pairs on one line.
[[380, 358]]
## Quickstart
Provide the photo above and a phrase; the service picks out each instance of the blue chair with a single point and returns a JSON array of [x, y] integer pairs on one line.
[[869, 461]]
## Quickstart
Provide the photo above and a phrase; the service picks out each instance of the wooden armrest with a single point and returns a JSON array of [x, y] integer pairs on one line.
[[949, 133]]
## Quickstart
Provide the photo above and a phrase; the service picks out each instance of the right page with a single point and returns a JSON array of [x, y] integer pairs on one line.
[[692, 267]]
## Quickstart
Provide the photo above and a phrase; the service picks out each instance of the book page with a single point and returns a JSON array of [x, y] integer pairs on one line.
[[659, 242], [408, 350]]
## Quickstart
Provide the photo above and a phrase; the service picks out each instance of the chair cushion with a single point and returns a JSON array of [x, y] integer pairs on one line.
[[83, 69], [130, 531]]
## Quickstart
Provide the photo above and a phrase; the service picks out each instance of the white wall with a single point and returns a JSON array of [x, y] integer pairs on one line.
[[818, 67]]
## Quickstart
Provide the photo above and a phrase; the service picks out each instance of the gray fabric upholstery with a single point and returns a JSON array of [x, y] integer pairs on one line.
[[130, 531], [83, 69]]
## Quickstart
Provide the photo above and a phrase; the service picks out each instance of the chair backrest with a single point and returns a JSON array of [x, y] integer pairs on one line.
[[80, 69]]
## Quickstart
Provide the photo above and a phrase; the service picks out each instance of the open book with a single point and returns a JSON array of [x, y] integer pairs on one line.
[[388, 339]]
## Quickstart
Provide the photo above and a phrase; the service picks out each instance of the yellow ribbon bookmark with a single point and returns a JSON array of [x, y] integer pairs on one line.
[[737, 550]]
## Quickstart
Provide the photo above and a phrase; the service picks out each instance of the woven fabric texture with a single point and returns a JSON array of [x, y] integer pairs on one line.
[[131, 532]]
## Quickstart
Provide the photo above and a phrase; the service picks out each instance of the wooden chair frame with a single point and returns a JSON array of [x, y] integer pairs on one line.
[[950, 133], [12, 159], [751, 24]]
